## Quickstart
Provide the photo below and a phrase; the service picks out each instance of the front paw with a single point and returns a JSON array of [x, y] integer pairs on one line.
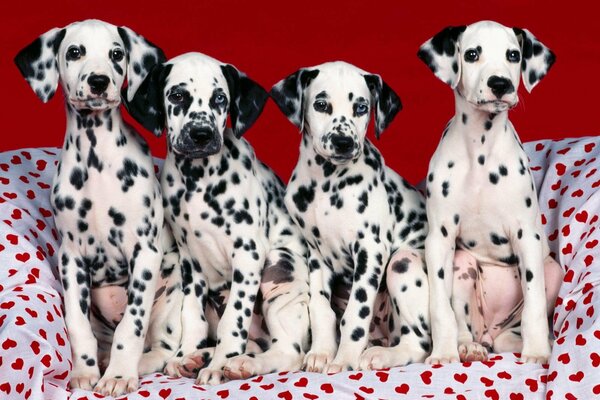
[[340, 364], [536, 355], [443, 357], [378, 357], [243, 367], [472, 351], [116, 385], [316, 361], [210, 376], [85, 380]]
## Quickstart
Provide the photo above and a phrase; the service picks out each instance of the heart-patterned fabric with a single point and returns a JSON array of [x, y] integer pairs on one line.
[[35, 360]]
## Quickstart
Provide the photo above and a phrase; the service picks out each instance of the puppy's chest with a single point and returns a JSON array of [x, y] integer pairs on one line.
[[210, 211], [487, 199], [336, 212], [104, 207]]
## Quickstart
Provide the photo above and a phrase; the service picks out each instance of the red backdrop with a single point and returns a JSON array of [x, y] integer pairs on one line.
[[269, 40]]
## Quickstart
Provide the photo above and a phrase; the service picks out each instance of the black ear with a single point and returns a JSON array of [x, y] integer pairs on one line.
[[247, 101], [536, 58], [288, 94], [142, 55], [387, 102], [38, 65], [147, 106], [441, 54]]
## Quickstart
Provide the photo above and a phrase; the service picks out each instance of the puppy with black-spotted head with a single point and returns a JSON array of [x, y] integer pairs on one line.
[[358, 217], [106, 199], [495, 292], [237, 244]]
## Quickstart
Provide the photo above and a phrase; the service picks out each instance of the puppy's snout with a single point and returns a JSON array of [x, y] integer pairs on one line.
[[500, 86], [200, 135], [342, 144], [98, 83]]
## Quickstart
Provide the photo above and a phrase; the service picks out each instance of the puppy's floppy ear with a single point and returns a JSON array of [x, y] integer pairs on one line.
[[142, 55], [441, 54], [387, 103], [147, 106], [38, 64], [536, 59], [247, 101], [288, 94]]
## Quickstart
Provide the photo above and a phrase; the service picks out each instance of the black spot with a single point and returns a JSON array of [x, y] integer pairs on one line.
[[357, 334], [481, 159], [488, 125], [444, 231], [400, 266], [117, 217], [77, 178], [528, 202], [238, 277], [303, 197], [361, 295], [528, 275], [503, 170], [497, 239], [494, 178], [441, 273], [445, 187]]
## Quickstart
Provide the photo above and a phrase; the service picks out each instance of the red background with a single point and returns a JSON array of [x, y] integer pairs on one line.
[[269, 40]]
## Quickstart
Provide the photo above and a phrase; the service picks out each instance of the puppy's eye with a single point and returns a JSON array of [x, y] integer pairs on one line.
[[471, 55], [220, 99], [73, 53], [320, 105], [361, 109], [513, 56], [175, 97], [117, 55]]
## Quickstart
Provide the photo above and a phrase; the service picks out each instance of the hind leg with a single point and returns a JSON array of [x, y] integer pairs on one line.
[[284, 289], [510, 340], [467, 312], [164, 333], [408, 288]]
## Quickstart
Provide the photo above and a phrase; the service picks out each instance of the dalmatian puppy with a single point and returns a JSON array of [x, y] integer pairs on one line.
[[107, 203], [492, 280], [359, 218], [239, 249]]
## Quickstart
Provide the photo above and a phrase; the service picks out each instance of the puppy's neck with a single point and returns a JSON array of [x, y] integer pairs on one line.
[[100, 131], [479, 128]]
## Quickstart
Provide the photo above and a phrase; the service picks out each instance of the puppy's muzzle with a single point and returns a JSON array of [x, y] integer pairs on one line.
[[198, 140]]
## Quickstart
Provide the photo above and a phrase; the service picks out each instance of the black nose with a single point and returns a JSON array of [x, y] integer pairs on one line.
[[500, 86], [342, 144], [200, 136], [98, 83]]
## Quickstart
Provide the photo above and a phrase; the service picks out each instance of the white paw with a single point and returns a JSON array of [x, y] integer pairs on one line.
[[535, 357], [84, 382], [242, 367], [378, 357], [152, 361], [113, 386], [209, 376], [340, 364], [445, 357], [316, 362], [172, 367], [472, 351]]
